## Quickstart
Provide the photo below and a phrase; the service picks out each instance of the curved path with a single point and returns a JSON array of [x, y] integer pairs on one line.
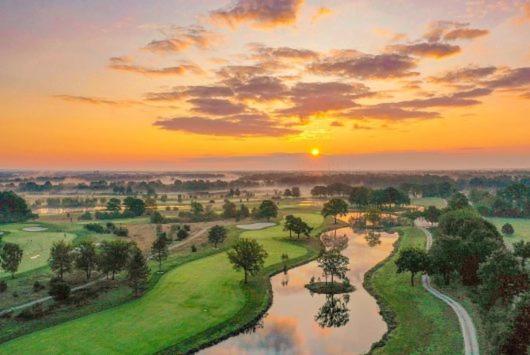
[[469, 332]]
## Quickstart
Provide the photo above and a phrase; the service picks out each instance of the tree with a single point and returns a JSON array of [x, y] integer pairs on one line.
[[507, 229], [197, 208], [113, 257], [295, 191], [301, 227], [157, 218], [445, 256], [135, 206], [319, 191], [114, 205], [333, 263], [137, 270], [360, 196], [160, 250], [287, 193], [432, 214], [10, 257], [334, 241], [267, 209], [86, 257], [413, 260], [289, 223], [518, 340], [457, 201], [59, 290], [334, 207], [182, 234], [522, 250], [61, 258], [373, 216], [243, 212], [249, 255], [216, 235], [334, 312], [229, 209], [13, 208]]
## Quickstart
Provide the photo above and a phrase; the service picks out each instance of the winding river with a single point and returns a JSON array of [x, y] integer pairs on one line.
[[301, 323]]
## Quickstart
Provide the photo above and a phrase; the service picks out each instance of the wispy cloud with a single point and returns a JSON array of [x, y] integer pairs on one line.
[[126, 65], [180, 38]]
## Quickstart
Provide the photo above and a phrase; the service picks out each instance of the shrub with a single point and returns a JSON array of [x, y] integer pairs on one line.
[[121, 232], [86, 216], [59, 290], [36, 311], [3, 286], [96, 228], [193, 248], [37, 286], [507, 229]]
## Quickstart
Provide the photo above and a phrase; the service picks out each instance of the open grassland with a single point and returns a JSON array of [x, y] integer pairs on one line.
[[189, 305], [437, 202], [425, 325], [521, 227]]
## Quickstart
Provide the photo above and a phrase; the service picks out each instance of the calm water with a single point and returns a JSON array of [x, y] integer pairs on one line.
[[301, 323]]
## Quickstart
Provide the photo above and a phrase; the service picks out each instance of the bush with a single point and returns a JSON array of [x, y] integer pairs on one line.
[[193, 248], [86, 216], [157, 218], [3, 286], [37, 286], [96, 228], [36, 311], [121, 232], [507, 229], [59, 290], [182, 234]]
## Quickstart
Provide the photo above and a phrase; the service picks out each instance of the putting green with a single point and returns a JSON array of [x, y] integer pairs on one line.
[[521, 228], [187, 300]]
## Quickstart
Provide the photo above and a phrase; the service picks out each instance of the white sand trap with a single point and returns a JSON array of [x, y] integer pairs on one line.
[[1, 233], [34, 256], [255, 226], [34, 229]]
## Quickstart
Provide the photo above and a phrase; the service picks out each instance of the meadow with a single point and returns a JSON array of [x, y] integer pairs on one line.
[[437, 202], [521, 228]]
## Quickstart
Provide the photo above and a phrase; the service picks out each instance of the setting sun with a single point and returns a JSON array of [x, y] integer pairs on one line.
[[315, 152]]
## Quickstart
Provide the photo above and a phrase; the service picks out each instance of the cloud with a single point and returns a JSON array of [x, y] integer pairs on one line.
[[336, 124], [458, 99], [389, 112], [125, 64], [257, 87], [390, 35], [465, 33], [467, 74], [381, 66], [264, 53], [244, 125], [181, 92], [96, 100], [216, 106], [511, 78], [320, 13], [180, 38], [260, 13], [426, 49]]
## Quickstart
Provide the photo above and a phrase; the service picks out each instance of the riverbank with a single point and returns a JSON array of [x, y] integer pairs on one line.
[[418, 323]]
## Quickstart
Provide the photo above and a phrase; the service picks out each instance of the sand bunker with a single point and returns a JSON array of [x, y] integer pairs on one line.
[[34, 229], [255, 226]]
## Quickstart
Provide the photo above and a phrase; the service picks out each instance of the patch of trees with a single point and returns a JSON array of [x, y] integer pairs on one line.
[[217, 235], [292, 192], [363, 197], [442, 189], [10, 257], [133, 207], [13, 208], [511, 201], [230, 210], [71, 202], [297, 226], [109, 228], [335, 207], [32, 186], [266, 210]]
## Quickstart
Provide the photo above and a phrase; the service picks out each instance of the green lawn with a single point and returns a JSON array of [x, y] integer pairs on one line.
[[186, 301], [521, 227], [437, 202], [425, 325], [36, 245]]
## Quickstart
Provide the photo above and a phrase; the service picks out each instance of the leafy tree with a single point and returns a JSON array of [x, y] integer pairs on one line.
[[86, 257], [335, 207], [507, 229], [216, 235], [137, 270], [333, 263], [114, 205], [301, 227], [13, 208], [295, 191], [413, 260], [518, 340], [360, 196], [113, 257], [197, 208], [134, 206], [243, 212], [287, 193], [267, 209], [522, 250], [229, 209], [373, 216], [432, 214], [249, 255], [157, 218], [289, 223], [59, 290], [10, 257], [445, 256], [319, 191], [61, 258], [160, 249], [182, 234], [457, 201]]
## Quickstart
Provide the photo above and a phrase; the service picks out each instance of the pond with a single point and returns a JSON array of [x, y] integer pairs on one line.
[[301, 323]]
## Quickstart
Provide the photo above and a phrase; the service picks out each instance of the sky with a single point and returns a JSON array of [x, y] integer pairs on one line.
[[256, 85]]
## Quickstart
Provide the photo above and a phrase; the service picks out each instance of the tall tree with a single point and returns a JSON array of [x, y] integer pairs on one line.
[[360, 196], [160, 249], [301, 227], [216, 235], [137, 270], [413, 260], [13, 208], [289, 223], [10, 257], [135, 206], [267, 209], [335, 207], [114, 205], [249, 255], [431, 214], [86, 257], [113, 256], [522, 250], [61, 258], [333, 263], [295, 191], [457, 201], [229, 209]]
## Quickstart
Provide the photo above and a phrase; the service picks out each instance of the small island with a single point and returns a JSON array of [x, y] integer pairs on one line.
[[330, 288]]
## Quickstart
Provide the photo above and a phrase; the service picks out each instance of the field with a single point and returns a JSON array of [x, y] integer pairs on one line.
[[186, 301], [425, 325], [437, 202], [521, 227]]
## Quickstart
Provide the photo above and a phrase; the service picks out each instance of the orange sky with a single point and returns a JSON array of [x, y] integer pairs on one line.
[[168, 83]]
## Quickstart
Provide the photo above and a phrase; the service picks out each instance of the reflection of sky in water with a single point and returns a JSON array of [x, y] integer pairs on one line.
[[290, 326]]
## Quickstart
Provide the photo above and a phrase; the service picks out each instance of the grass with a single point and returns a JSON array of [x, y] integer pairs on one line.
[[424, 325], [198, 297], [521, 227], [437, 202]]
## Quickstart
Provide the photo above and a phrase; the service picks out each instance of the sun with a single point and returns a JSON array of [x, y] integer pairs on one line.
[[315, 152]]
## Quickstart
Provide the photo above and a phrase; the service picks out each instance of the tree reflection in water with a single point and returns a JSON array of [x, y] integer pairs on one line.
[[334, 313], [373, 238], [285, 279]]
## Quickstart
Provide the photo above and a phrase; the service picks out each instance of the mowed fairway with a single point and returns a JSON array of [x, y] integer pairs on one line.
[[437, 202], [36, 245], [425, 325], [521, 227], [187, 300]]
